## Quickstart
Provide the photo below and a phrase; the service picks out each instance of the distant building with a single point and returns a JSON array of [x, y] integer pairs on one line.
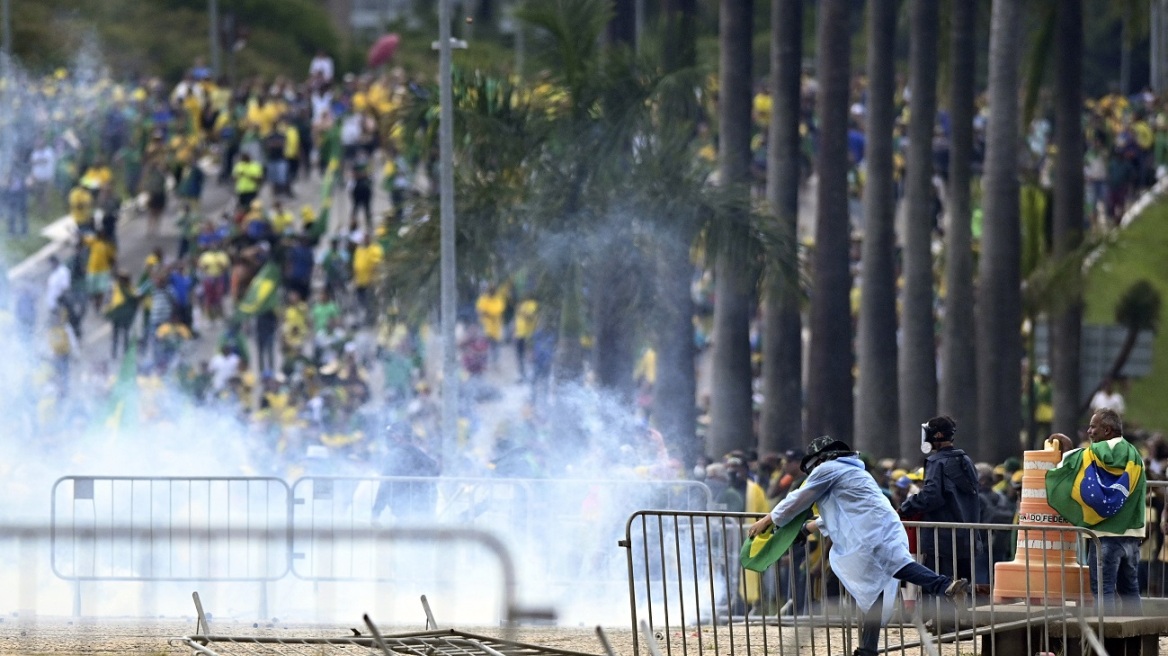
[[367, 17]]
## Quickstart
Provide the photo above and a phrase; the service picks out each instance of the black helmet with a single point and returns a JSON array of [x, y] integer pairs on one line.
[[822, 446]]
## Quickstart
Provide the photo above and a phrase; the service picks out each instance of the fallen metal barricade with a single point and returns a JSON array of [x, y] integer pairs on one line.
[[431, 642], [685, 582]]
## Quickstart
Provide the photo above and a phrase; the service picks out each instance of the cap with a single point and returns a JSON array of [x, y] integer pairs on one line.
[[822, 445], [903, 482]]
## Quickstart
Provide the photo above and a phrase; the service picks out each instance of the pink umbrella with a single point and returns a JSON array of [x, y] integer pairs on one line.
[[383, 50]]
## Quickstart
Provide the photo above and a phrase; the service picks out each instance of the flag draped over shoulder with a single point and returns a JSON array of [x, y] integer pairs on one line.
[[1101, 487], [766, 548], [262, 293]]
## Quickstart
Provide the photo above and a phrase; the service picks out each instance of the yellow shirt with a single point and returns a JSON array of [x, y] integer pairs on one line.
[[281, 221], [526, 319], [101, 255], [490, 308], [365, 261], [80, 204], [214, 263], [247, 176], [291, 142]]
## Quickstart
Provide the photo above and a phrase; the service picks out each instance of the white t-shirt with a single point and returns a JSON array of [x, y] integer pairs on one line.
[[58, 284], [42, 162], [1112, 401], [222, 368], [322, 65]]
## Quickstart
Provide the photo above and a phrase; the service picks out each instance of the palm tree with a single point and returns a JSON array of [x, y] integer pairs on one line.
[[918, 359], [782, 366], [1066, 325], [876, 398], [958, 394], [731, 424], [674, 398], [999, 343], [622, 29], [829, 380]]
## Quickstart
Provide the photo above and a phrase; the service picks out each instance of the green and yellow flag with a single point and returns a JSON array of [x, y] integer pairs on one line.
[[1101, 487], [766, 548], [123, 407], [263, 292]]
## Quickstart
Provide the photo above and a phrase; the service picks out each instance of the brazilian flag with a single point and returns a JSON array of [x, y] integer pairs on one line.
[[123, 408], [766, 548], [1101, 487], [263, 292], [122, 305]]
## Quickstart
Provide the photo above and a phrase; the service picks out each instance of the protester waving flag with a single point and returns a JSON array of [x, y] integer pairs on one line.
[[1101, 487], [262, 294]]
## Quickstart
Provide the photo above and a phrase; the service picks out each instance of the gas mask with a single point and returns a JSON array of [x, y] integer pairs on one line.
[[926, 445]]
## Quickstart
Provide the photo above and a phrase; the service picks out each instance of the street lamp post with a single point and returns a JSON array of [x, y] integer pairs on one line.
[[446, 198]]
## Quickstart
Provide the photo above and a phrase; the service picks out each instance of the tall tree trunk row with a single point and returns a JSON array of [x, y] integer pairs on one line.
[[781, 425], [918, 359], [958, 394], [876, 399], [1066, 326], [999, 341], [731, 411], [829, 381]]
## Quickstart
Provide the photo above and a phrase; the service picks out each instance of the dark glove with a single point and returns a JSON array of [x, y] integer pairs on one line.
[[904, 508], [801, 537]]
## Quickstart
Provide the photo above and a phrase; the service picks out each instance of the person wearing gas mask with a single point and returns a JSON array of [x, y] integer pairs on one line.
[[869, 552], [949, 494]]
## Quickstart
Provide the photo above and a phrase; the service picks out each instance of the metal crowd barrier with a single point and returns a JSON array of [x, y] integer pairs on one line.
[[152, 529], [33, 583], [161, 525], [1154, 550], [326, 510], [685, 583]]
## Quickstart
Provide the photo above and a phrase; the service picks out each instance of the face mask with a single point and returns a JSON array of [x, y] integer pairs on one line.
[[699, 471], [926, 445]]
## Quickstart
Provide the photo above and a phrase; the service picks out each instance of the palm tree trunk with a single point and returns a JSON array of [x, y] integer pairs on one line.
[[781, 424], [731, 416], [676, 391], [876, 398], [1067, 326], [615, 290], [918, 355], [999, 341], [829, 379], [958, 397], [622, 28]]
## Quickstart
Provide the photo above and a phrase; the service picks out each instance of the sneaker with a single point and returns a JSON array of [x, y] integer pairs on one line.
[[957, 588]]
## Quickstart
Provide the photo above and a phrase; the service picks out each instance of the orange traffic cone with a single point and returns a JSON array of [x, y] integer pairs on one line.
[[1045, 568]]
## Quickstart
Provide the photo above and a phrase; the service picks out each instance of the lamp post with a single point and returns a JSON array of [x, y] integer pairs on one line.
[[446, 199]]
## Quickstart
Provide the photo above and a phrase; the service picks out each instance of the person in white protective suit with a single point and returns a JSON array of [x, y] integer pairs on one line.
[[869, 547]]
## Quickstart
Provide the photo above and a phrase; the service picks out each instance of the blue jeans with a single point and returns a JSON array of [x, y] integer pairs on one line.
[[930, 582], [1119, 577]]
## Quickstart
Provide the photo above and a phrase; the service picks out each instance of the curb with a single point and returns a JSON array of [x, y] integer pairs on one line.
[[60, 234]]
